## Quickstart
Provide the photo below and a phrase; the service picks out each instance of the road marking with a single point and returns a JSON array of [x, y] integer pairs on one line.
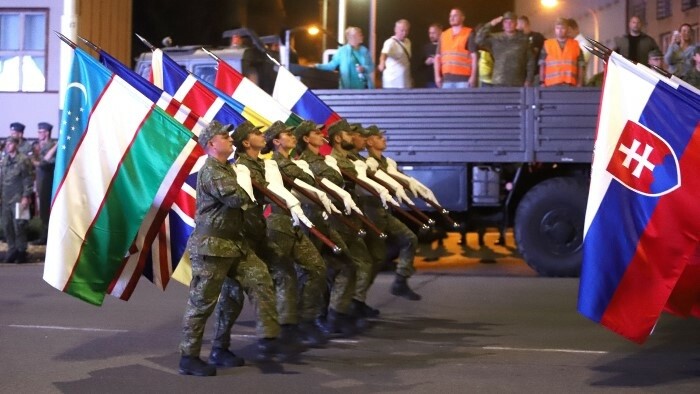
[[337, 340], [520, 349], [66, 328]]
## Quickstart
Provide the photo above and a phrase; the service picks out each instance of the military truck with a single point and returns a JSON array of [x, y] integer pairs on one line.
[[515, 157]]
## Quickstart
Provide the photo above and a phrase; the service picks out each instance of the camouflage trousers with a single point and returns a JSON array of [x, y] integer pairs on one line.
[[341, 269], [214, 278], [298, 296], [15, 230], [398, 233]]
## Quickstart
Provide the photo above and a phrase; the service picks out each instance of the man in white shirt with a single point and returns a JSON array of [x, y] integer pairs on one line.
[[395, 60]]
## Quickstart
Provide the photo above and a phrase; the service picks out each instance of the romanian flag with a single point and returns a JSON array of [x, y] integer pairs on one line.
[[118, 152], [243, 90]]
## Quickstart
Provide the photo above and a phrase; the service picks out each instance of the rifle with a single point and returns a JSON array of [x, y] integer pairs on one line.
[[440, 210], [278, 201], [413, 208], [370, 225], [396, 208], [290, 183]]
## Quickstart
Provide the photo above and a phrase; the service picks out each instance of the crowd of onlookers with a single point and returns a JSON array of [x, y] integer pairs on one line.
[[466, 57], [26, 180]]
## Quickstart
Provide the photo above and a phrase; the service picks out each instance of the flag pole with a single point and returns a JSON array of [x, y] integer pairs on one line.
[[146, 43], [66, 40], [90, 44]]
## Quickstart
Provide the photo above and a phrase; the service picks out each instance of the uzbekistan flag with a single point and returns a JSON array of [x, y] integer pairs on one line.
[[117, 153], [296, 97], [152, 250], [642, 225], [243, 90]]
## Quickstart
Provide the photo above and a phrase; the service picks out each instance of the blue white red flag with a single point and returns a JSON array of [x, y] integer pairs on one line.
[[642, 225], [296, 97]]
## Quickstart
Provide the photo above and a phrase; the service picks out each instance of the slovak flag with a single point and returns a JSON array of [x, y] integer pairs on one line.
[[642, 226]]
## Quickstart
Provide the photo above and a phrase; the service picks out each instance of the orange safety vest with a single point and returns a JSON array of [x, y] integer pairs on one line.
[[454, 57], [561, 66]]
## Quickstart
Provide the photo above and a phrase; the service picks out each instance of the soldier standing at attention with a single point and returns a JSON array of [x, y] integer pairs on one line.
[[17, 131], [45, 163], [219, 252], [16, 191]]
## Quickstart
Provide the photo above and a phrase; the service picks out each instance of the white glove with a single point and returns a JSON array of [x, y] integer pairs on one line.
[[412, 184], [398, 189], [276, 185], [345, 196], [387, 199], [372, 163], [425, 192], [384, 194], [333, 163], [304, 166], [243, 179], [417, 188], [272, 172], [327, 204], [298, 216]]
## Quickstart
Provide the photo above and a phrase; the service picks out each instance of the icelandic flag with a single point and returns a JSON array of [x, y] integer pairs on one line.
[[296, 97], [152, 250], [118, 153], [642, 226], [242, 89]]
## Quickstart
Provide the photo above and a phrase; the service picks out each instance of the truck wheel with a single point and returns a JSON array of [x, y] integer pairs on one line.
[[549, 226]]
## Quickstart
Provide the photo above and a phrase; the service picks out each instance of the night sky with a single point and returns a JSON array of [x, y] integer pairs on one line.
[[190, 23]]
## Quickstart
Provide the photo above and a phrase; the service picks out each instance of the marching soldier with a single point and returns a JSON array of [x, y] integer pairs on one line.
[[219, 253]]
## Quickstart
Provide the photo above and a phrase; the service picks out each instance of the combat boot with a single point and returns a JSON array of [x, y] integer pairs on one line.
[[361, 309], [21, 257], [291, 335], [312, 335], [400, 289], [270, 347], [340, 324], [193, 365], [11, 257], [221, 357]]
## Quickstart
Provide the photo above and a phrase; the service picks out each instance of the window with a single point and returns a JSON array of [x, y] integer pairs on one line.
[[663, 9], [688, 4], [23, 50]]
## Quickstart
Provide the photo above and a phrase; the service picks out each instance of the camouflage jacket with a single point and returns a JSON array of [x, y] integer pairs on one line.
[[514, 59], [320, 168], [16, 178], [256, 223], [383, 164], [291, 170], [218, 218]]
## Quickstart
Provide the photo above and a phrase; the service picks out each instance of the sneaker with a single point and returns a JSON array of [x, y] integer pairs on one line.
[[192, 365], [221, 357]]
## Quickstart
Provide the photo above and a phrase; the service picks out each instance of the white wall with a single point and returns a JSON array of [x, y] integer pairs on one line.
[[32, 108]]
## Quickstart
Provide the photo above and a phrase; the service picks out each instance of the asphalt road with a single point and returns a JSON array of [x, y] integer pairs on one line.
[[487, 325]]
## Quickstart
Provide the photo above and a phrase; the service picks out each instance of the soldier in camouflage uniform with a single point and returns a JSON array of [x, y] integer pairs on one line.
[[16, 187], [397, 231], [345, 149], [17, 131], [513, 56], [219, 252], [282, 243]]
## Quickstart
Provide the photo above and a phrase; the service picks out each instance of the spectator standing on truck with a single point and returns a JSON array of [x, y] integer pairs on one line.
[[536, 39], [679, 55], [561, 60], [395, 59], [514, 60], [456, 57], [575, 33], [429, 51], [353, 61], [656, 59], [635, 45]]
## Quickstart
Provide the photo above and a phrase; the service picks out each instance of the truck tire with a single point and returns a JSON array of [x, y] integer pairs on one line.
[[549, 226]]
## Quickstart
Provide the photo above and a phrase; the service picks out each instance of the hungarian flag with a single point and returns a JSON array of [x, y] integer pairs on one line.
[[642, 225], [117, 152], [152, 250], [296, 97], [243, 90]]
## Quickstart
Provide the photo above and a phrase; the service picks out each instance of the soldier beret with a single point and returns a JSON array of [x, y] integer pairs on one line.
[[276, 129], [45, 126], [243, 130], [509, 15], [357, 128], [374, 130], [16, 126], [338, 126], [305, 127], [214, 128]]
